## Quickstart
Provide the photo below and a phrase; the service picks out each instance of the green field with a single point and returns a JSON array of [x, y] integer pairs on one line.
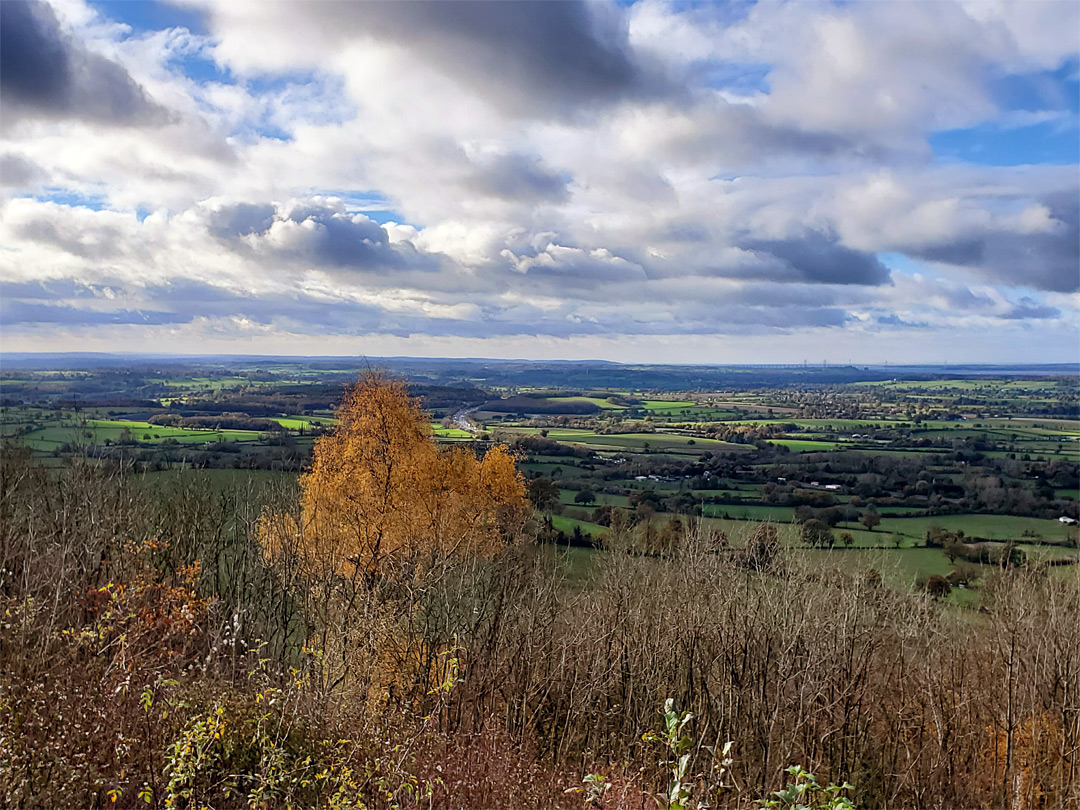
[[900, 569], [603, 404], [991, 527], [988, 385], [777, 514], [305, 422], [98, 431], [911, 529], [638, 442], [898, 511], [667, 405], [806, 446], [450, 433], [111, 429], [567, 524], [205, 383], [566, 496]]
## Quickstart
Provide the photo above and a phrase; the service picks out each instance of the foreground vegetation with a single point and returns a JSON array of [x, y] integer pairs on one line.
[[178, 645]]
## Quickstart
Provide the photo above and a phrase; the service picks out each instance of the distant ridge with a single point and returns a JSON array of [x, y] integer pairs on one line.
[[76, 361]]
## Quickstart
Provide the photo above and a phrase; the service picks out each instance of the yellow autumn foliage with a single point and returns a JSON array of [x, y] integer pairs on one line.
[[380, 490]]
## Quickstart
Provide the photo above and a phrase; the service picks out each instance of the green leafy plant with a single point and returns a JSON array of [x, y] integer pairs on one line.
[[680, 756], [679, 745], [805, 793], [193, 758]]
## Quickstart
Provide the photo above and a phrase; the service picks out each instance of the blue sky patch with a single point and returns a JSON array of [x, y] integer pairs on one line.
[[72, 199], [202, 70], [738, 77], [1055, 142], [144, 16]]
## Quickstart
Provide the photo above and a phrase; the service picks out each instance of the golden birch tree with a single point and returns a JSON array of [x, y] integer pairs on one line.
[[380, 491]]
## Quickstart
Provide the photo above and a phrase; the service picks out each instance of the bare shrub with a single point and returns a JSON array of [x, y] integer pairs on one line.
[[135, 614]]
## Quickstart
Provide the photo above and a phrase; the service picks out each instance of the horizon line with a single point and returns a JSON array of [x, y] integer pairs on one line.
[[593, 361]]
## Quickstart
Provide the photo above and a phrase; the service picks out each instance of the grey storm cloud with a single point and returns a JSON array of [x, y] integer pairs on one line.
[[344, 240], [45, 73], [734, 135], [1047, 260], [177, 302], [518, 177], [102, 242], [558, 268], [779, 317], [50, 290], [185, 300], [533, 59], [964, 299], [18, 172], [893, 319], [328, 236], [14, 312], [190, 299], [1028, 309], [240, 219], [969, 252], [817, 257]]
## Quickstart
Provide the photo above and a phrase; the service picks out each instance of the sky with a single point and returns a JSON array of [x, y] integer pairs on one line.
[[657, 182]]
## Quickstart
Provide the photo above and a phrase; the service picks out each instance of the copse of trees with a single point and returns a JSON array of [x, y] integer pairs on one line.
[[585, 496], [817, 533]]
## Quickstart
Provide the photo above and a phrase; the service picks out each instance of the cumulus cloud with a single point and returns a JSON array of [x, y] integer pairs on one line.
[[314, 232], [574, 267]]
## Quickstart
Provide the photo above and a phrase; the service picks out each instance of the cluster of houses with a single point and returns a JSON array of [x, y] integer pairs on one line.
[[815, 485]]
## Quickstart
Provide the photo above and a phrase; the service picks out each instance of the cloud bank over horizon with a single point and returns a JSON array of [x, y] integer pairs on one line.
[[654, 182]]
